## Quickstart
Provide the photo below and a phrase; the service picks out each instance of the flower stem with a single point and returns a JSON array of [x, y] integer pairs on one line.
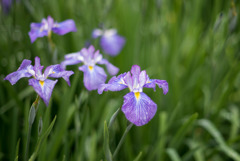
[[122, 139], [52, 48], [31, 118]]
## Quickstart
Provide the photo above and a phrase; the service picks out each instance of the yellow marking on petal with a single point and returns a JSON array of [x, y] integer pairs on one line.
[[41, 83], [90, 68], [53, 72], [137, 95]]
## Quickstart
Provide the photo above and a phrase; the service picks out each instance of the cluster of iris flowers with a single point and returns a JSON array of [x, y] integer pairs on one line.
[[138, 108]]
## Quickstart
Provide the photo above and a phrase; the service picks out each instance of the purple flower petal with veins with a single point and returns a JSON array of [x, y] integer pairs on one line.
[[48, 25], [137, 107], [94, 75], [23, 71], [43, 88], [40, 82]]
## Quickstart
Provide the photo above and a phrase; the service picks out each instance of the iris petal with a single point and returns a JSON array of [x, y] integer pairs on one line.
[[23, 71], [37, 31], [138, 108], [112, 45], [110, 67], [43, 88], [56, 71], [96, 33], [114, 84], [94, 76], [151, 83], [64, 27]]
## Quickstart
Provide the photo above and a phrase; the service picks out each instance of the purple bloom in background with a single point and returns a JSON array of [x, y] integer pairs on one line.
[[40, 82], [93, 74], [6, 5], [48, 25], [137, 107], [110, 41]]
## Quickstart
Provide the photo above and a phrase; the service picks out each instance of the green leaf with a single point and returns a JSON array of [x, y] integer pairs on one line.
[[138, 156], [107, 151], [17, 150], [175, 142], [41, 139], [112, 119], [206, 124], [173, 154]]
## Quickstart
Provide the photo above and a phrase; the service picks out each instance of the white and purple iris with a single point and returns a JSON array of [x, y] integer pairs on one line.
[[137, 107], [40, 82], [110, 41], [93, 74], [47, 26]]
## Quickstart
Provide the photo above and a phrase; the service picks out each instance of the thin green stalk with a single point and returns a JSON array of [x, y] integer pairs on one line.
[[122, 139], [31, 118], [52, 48]]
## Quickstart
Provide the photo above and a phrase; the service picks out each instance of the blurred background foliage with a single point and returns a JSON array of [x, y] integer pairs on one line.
[[194, 45]]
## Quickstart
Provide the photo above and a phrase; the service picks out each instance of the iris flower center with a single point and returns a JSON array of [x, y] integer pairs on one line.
[[90, 67], [137, 95], [41, 83]]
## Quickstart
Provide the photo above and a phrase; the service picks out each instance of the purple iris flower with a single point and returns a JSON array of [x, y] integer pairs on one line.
[[93, 74], [40, 82], [48, 25], [137, 106], [110, 41]]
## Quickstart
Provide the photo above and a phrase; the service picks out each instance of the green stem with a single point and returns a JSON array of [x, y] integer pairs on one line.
[[31, 118], [52, 47], [122, 139]]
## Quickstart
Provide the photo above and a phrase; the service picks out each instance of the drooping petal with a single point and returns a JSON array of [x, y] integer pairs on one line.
[[56, 71], [138, 108], [43, 88], [112, 45], [114, 84], [151, 83], [37, 31], [113, 70], [96, 33], [23, 71], [94, 76], [64, 27]]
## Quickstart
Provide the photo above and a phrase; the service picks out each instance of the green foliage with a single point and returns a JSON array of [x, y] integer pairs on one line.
[[194, 45]]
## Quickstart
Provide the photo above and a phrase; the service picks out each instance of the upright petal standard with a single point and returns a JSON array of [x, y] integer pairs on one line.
[[40, 82], [110, 41], [137, 106], [47, 26], [93, 74]]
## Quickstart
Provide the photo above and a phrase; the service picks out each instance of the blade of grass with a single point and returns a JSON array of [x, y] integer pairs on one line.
[[178, 138], [172, 153], [206, 124], [41, 139]]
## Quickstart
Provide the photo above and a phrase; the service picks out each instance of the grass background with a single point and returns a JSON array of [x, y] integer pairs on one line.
[[194, 45]]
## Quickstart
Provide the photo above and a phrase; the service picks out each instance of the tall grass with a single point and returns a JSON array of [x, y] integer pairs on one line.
[[194, 45]]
